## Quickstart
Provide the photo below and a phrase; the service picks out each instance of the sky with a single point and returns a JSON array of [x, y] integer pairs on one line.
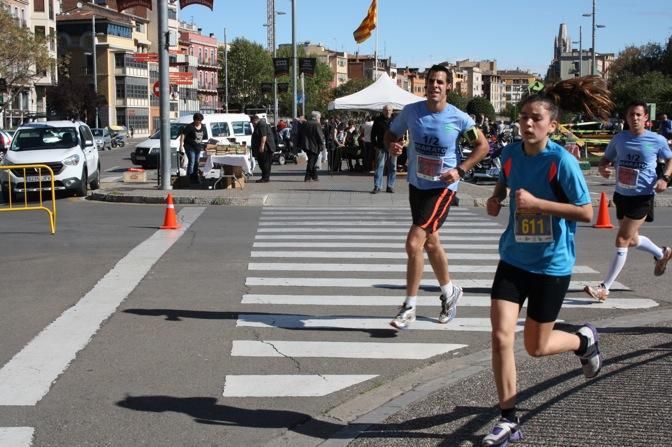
[[518, 34]]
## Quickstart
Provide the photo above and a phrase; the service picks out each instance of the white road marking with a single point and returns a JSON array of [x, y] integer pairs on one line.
[[363, 237], [16, 436], [376, 230], [467, 300], [112, 169], [299, 385], [362, 255], [340, 212], [574, 286], [368, 223], [334, 267], [285, 321], [115, 178], [27, 377], [346, 350], [399, 245]]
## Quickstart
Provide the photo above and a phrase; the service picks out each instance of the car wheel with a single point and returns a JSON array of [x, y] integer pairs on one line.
[[95, 183], [281, 160], [83, 185]]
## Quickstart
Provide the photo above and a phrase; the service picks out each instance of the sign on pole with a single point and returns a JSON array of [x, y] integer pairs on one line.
[[156, 89]]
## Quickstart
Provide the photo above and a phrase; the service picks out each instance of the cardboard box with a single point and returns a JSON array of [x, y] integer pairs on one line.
[[135, 176]]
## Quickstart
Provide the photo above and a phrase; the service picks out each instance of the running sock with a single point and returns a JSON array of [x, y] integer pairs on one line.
[[646, 245], [616, 266], [583, 344], [410, 301], [447, 289], [509, 414]]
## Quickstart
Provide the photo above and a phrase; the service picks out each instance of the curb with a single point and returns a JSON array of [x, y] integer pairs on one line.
[[116, 197]]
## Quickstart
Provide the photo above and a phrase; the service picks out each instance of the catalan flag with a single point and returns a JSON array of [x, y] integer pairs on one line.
[[363, 32]]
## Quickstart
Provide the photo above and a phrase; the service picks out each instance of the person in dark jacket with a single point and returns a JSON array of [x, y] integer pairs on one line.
[[263, 146], [192, 141], [313, 143]]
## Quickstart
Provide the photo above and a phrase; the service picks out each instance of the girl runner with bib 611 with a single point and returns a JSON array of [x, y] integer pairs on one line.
[[548, 195]]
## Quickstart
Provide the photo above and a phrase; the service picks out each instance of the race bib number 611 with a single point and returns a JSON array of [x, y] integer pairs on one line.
[[533, 228]]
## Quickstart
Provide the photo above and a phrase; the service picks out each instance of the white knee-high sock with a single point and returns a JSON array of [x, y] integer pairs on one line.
[[646, 245], [617, 263]]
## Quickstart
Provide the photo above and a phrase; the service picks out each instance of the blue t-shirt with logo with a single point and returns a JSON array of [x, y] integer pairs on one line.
[[635, 158], [541, 244], [433, 147]]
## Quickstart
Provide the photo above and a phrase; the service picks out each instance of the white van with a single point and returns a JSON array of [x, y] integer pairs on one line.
[[225, 127]]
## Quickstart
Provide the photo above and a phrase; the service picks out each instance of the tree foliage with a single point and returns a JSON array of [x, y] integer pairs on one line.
[[457, 100], [643, 73], [249, 64], [24, 57], [481, 106]]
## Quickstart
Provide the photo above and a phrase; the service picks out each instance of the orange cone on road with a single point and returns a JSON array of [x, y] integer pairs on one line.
[[170, 220], [603, 220]]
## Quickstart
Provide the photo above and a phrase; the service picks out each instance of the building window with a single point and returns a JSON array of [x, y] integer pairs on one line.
[[38, 6]]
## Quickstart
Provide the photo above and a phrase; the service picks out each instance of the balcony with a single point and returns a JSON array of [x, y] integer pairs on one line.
[[208, 63]]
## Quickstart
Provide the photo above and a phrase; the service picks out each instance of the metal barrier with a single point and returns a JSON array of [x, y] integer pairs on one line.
[[30, 174]]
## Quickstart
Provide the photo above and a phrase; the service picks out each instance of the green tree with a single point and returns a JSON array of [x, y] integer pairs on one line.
[[72, 98], [457, 100], [24, 57], [350, 87], [481, 106], [249, 64]]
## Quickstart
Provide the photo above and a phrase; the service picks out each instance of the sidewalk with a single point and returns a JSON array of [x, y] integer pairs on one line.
[[287, 188]]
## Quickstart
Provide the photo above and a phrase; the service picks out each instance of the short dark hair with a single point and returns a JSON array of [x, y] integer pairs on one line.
[[443, 68], [198, 117], [637, 103]]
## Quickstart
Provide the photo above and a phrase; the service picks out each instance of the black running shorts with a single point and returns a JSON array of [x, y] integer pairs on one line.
[[544, 293], [634, 207], [429, 207]]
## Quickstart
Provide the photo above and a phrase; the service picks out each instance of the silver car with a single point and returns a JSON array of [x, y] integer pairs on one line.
[[103, 138]]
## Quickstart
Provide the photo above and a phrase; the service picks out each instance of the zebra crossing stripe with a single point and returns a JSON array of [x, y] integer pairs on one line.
[[365, 211], [360, 237], [400, 245], [467, 300], [335, 267], [16, 436], [346, 350], [361, 255], [574, 286], [289, 321], [378, 230], [293, 385], [372, 223]]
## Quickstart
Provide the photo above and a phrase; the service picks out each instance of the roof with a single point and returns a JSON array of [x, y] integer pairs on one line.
[[44, 124]]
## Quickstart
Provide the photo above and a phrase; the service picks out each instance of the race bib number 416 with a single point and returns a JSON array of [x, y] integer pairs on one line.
[[533, 228]]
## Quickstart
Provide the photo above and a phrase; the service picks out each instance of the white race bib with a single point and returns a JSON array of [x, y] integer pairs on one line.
[[429, 167], [627, 177]]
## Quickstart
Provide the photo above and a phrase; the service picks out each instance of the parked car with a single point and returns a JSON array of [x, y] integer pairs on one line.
[[67, 147], [146, 153], [103, 138]]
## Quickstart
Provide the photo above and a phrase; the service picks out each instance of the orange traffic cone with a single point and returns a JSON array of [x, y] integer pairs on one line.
[[170, 220], [603, 220]]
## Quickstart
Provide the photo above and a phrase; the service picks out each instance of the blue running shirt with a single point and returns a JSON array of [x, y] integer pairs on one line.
[[635, 157], [432, 148], [551, 172]]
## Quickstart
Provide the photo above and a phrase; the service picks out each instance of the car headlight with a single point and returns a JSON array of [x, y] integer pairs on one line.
[[72, 160]]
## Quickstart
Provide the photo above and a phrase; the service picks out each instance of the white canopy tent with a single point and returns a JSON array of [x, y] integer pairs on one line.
[[375, 96]]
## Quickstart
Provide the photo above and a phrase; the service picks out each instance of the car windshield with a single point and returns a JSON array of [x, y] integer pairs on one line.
[[97, 132], [175, 129], [44, 138]]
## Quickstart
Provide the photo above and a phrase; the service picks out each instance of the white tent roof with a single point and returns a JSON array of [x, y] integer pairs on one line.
[[375, 96]]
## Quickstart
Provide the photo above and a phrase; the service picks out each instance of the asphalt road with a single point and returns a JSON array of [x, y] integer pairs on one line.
[[196, 339]]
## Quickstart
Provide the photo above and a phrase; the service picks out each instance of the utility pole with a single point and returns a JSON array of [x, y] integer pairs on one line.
[[295, 65], [226, 74], [164, 104], [94, 42]]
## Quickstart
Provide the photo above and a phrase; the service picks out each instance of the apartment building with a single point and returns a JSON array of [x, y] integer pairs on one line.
[[122, 78], [40, 17], [202, 50], [569, 62], [483, 75], [516, 84]]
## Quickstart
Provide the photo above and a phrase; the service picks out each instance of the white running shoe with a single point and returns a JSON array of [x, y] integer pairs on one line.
[[449, 305], [405, 316]]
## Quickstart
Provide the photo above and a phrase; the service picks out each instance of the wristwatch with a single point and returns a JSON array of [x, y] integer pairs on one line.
[[667, 178], [460, 171]]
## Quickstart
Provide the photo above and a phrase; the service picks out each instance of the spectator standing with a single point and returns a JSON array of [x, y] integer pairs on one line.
[[263, 146], [383, 158], [132, 131], [313, 142], [339, 150], [434, 173], [665, 127], [634, 153], [369, 153], [192, 141]]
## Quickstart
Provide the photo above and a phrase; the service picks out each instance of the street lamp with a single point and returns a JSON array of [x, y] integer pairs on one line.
[[95, 68], [592, 14], [580, 42]]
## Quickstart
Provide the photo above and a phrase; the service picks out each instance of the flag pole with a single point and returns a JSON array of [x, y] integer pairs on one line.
[[376, 51]]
